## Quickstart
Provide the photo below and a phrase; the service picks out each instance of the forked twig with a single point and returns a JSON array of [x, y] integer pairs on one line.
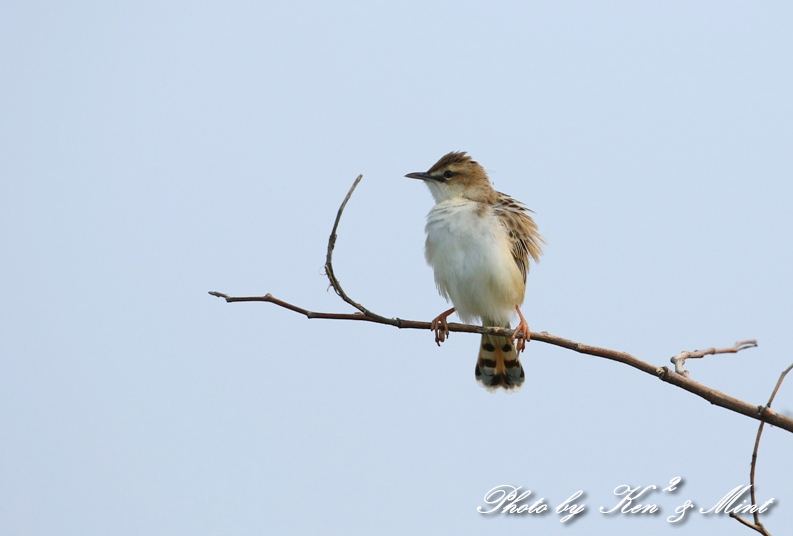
[[329, 257], [680, 359], [758, 525]]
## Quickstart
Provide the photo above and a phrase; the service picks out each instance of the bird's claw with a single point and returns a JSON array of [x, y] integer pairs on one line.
[[524, 337], [440, 327]]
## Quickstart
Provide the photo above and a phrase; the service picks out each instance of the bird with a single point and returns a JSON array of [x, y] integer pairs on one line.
[[479, 242]]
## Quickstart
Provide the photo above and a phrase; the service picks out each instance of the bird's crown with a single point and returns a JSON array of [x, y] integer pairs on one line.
[[447, 160], [457, 174]]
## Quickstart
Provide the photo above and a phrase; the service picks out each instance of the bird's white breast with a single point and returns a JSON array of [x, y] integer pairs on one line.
[[469, 250]]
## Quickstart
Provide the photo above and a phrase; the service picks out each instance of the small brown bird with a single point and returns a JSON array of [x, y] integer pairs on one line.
[[478, 243]]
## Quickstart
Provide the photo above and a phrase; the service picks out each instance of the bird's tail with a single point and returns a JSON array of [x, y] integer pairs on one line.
[[498, 364]]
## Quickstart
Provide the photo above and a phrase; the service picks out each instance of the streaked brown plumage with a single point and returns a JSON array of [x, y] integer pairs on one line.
[[479, 242]]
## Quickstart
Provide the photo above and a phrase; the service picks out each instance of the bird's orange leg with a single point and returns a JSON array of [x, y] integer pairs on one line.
[[525, 334], [440, 327]]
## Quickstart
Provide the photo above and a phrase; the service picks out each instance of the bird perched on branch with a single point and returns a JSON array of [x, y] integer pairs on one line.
[[478, 243]]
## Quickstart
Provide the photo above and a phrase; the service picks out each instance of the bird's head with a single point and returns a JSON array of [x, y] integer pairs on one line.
[[456, 175]]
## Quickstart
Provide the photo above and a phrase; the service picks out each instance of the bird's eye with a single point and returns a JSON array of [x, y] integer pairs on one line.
[[448, 174]]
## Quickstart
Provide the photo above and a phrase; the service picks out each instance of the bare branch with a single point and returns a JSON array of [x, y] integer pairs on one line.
[[761, 413], [329, 261], [713, 396], [757, 525], [309, 314], [759, 529], [680, 359]]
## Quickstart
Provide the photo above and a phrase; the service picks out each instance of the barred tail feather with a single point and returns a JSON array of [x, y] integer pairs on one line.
[[498, 364]]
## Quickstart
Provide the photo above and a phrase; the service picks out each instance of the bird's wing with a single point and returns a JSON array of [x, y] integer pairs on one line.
[[523, 235]]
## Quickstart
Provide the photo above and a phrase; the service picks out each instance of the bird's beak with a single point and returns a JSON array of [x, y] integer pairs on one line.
[[420, 175]]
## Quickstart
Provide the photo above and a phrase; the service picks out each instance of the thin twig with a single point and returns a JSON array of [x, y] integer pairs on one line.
[[309, 314], [329, 261], [759, 529], [757, 525], [680, 359]]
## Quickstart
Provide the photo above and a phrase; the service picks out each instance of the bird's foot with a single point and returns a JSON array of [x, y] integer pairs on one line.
[[440, 327], [521, 333]]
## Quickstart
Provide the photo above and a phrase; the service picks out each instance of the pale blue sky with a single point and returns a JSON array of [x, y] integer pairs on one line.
[[153, 151]]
